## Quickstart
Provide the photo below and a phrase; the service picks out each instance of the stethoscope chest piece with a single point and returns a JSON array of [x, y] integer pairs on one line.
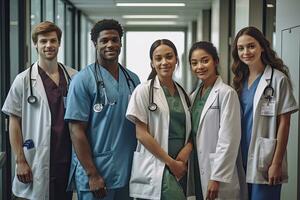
[[152, 106], [269, 91], [98, 107], [32, 99]]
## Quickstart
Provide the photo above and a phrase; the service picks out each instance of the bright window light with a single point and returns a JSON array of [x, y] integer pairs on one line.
[[150, 16], [150, 23], [152, 4]]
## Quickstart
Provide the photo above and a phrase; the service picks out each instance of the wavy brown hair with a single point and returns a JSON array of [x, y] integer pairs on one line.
[[268, 57]]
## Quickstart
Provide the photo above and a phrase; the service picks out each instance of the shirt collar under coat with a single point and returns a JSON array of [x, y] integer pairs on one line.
[[263, 83], [37, 83], [159, 93], [212, 97]]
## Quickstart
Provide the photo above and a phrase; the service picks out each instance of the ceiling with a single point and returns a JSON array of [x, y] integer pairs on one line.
[[99, 9]]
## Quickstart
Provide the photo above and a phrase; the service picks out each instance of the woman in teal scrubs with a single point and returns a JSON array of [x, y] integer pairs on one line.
[[215, 131], [160, 161], [264, 88]]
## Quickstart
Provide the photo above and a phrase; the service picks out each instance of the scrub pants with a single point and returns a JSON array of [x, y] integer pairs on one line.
[[113, 194], [264, 192]]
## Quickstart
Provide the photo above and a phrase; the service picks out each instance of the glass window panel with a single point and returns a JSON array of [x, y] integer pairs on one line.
[[90, 45], [69, 37], [60, 21], [49, 10], [35, 18], [83, 42]]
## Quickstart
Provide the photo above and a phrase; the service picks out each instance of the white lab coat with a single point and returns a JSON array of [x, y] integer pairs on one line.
[[35, 125], [264, 128], [147, 170], [218, 139]]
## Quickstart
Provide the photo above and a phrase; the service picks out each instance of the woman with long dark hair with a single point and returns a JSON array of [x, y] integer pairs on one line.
[[159, 109], [215, 131], [262, 82]]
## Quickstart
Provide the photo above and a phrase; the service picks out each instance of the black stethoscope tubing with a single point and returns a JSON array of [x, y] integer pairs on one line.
[[98, 106], [32, 98]]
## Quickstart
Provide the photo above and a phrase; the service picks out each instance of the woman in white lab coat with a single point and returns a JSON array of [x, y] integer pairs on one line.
[[159, 109], [264, 88], [215, 129]]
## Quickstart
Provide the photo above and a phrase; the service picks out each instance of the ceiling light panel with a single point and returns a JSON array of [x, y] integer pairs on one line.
[[150, 16], [151, 4], [151, 23]]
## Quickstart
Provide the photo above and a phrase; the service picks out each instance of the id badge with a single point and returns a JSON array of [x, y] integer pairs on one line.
[[268, 108]]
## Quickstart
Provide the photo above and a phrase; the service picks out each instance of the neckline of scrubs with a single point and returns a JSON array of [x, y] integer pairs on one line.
[[176, 141], [246, 100], [197, 108]]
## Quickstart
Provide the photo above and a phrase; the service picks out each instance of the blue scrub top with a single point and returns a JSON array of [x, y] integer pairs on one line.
[[111, 136], [246, 99]]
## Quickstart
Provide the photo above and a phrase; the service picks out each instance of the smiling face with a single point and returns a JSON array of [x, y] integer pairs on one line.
[[249, 51], [47, 45], [108, 46], [164, 61], [203, 65]]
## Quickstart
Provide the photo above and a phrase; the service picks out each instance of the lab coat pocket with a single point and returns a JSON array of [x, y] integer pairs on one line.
[[29, 155], [266, 152], [142, 168], [19, 186]]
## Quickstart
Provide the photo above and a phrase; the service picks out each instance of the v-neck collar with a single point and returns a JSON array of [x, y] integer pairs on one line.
[[45, 76], [254, 83]]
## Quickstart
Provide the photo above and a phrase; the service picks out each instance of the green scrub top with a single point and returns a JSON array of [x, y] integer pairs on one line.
[[197, 108], [171, 189]]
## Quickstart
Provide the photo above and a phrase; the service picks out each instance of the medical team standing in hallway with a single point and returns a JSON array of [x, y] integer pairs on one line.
[[150, 140]]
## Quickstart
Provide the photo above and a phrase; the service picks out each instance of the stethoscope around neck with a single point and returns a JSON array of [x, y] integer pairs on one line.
[[101, 102], [269, 90], [32, 99], [153, 106]]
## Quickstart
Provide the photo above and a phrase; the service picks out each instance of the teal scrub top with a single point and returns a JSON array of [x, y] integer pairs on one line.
[[171, 189], [177, 130], [197, 108], [111, 136]]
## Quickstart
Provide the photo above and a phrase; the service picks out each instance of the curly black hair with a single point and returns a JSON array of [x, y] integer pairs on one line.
[[105, 24]]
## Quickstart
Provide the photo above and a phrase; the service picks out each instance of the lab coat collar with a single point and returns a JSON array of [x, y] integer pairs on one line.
[[160, 93], [37, 83], [211, 97], [263, 83], [156, 82]]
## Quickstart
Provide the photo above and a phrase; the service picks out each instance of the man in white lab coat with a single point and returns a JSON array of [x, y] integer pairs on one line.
[[39, 136]]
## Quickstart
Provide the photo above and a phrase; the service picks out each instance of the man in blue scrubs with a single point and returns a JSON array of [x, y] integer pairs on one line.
[[103, 139]]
